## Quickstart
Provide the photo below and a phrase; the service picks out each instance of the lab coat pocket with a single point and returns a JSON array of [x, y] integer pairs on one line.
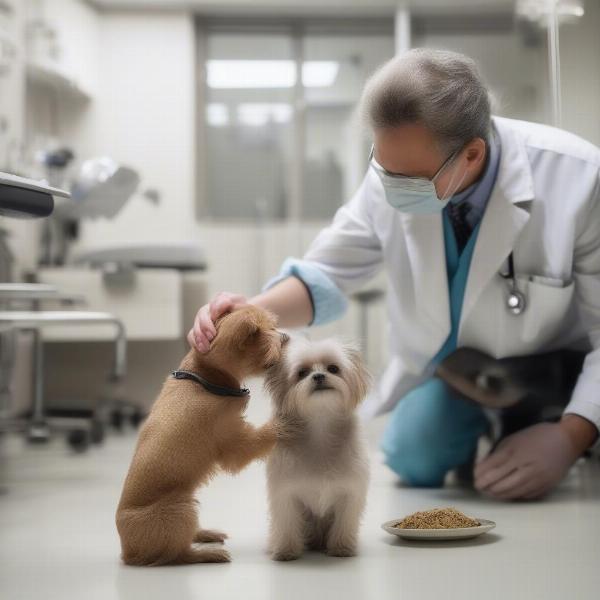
[[492, 328], [548, 303]]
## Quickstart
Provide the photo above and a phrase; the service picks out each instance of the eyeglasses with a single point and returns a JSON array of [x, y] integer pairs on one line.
[[399, 176]]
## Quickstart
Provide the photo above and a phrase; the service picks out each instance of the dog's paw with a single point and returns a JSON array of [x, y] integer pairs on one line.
[[341, 551], [222, 556], [208, 536], [285, 555], [205, 555]]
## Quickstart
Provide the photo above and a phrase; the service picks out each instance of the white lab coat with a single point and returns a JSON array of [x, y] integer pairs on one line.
[[545, 207]]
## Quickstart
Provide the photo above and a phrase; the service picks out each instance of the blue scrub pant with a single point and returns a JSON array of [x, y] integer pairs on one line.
[[430, 432]]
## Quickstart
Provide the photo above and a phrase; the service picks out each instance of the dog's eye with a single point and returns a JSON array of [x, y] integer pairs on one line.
[[333, 369], [302, 373]]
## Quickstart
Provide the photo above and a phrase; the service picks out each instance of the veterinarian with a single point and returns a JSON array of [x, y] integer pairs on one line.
[[489, 232]]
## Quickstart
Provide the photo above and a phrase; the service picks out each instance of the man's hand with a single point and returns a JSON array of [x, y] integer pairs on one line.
[[203, 331], [529, 463]]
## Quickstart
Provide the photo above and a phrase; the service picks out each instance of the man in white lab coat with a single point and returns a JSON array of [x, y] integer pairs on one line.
[[453, 198]]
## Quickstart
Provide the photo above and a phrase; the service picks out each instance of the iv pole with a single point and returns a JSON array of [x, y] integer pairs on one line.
[[554, 47]]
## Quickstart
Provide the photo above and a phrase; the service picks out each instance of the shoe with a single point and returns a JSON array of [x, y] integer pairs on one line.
[[543, 379], [480, 378]]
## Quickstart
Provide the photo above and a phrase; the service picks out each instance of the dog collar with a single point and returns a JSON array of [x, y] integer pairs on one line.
[[213, 388]]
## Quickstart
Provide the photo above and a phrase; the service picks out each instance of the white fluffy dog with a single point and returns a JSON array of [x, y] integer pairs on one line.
[[318, 473]]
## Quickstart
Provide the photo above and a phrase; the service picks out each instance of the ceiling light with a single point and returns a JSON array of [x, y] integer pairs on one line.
[[223, 74], [239, 74], [538, 11], [319, 73]]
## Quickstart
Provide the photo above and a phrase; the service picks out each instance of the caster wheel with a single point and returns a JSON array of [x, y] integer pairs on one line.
[[136, 418], [38, 434], [116, 419], [78, 440], [97, 432]]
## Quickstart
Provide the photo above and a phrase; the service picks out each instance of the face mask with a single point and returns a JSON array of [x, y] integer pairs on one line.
[[416, 195]]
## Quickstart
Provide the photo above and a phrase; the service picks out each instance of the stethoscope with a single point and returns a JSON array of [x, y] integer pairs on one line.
[[516, 302]]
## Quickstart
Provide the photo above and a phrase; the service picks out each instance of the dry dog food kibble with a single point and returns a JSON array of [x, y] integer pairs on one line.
[[438, 518]]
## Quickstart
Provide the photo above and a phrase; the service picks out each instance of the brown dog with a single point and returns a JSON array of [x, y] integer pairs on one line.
[[195, 428]]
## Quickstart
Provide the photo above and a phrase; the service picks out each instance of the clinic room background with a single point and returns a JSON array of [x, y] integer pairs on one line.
[[202, 144], [223, 166]]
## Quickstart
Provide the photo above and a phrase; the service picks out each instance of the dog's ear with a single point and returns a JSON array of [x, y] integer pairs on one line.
[[359, 376], [238, 328], [277, 385], [247, 330]]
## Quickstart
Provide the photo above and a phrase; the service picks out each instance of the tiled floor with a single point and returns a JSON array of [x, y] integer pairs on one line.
[[58, 540]]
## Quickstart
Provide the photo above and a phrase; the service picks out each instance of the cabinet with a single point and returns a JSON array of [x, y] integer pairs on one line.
[[61, 46], [148, 301], [11, 82]]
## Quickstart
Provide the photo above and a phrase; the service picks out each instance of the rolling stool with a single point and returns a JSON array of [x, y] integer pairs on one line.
[[37, 425]]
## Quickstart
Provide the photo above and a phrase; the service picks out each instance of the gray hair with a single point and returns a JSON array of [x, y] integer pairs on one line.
[[440, 89]]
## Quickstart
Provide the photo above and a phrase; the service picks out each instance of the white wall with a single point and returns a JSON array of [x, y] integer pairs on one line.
[[144, 116], [515, 73], [580, 74]]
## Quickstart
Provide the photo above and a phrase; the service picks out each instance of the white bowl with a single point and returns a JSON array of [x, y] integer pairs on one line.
[[456, 533]]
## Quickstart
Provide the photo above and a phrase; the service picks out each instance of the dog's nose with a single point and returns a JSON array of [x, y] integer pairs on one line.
[[285, 338], [319, 377]]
